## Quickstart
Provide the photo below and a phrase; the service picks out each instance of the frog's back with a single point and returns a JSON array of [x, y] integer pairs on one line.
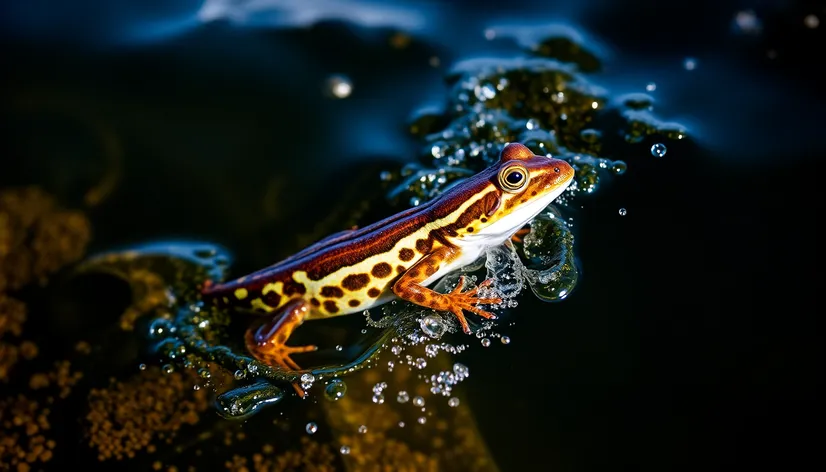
[[344, 273]]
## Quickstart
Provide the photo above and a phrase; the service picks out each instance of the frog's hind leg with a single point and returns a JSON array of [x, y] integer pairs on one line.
[[268, 342]]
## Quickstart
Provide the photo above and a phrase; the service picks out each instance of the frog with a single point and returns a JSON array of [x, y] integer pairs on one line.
[[396, 258]]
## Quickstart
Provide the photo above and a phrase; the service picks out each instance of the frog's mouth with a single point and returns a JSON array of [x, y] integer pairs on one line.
[[501, 230]]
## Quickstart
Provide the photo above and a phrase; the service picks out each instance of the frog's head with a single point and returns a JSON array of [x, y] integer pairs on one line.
[[511, 193]]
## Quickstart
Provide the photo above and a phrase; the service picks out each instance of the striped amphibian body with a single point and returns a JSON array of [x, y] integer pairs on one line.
[[398, 257]]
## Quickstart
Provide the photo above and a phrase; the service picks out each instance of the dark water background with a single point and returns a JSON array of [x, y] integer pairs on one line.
[[688, 343]]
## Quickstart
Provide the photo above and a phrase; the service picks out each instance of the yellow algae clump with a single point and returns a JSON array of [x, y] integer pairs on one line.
[[24, 422], [12, 317], [311, 457], [62, 377], [127, 417], [37, 237]]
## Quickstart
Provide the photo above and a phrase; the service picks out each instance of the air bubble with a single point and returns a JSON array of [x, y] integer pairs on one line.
[[623, 211], [453, 402], [339, 348], [658, 150], [142, 367], [811, 21], [438, 150], [362, 429], [651, 87], [339, 86], [421, 363], [485, 342], [461, 370], [418, 401], [344, 450], [422, 420], [690, 63], [433, 326], [335, 390], [619, 167], [402, 397], [311, 428], [484, 92], [239, 374], [378, 399], [505, 340], [307, 381], [168, 369]]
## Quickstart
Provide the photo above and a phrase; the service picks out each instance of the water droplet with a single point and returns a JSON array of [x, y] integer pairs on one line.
[[335, 390], [422, 420], [811, 21], [453, 402], [658, 150], [433, 326], [505, 340], [690, 63], [402, 397], [141, 366], [159, 328], [485, 342], [362, 429], [651, 87], [168, 369], [311, 428], [532, 124], [747, 22], [344, 450], [418, 401], [339, 86], [484, 92], [239, 374], [438, 149], [623, 211], [242, 402]]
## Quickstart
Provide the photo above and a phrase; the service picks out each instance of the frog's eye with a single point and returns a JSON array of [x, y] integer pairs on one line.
[[513, 178]]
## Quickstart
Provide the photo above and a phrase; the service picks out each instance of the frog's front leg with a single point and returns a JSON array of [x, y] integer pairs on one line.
[[268, 343], [409, 288]]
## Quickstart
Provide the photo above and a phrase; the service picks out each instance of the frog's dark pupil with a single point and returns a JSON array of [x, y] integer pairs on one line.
[[514, 177]]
